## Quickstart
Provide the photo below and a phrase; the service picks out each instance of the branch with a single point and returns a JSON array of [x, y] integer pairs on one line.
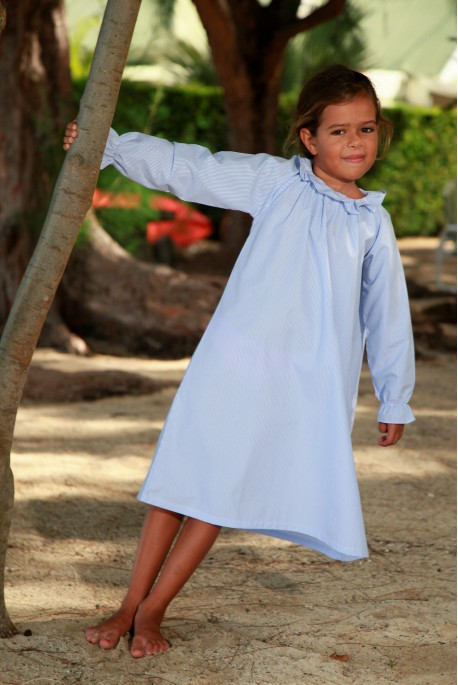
[[215, 19], [222, 36], [284, 11], [324, 13], [246, 15], [2, 17]]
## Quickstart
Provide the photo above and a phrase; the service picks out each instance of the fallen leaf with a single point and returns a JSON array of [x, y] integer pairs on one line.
[[339, 657]]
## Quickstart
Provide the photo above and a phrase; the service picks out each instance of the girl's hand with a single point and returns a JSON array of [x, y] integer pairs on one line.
[[393, 433], [70, 134]]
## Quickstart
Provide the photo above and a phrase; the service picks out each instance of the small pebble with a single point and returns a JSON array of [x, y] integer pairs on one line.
[[27, 633]]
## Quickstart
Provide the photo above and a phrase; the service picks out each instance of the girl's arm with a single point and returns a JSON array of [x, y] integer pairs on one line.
[[229, 180], [385, 317]]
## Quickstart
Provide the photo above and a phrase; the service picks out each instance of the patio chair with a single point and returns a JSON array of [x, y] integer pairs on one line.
[[447, 238]]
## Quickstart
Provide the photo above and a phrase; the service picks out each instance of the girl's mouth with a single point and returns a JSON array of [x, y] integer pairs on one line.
[[354, 159]]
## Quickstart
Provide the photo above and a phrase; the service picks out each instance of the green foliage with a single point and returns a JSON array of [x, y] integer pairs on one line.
[[80, 53], [189, 114], [164, 10], [339, 40], [128, 226], [421, 160], [82, 239], [193, 65]]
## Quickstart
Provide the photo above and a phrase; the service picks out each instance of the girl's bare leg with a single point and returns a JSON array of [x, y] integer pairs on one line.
[[159, 531], [192, 544]]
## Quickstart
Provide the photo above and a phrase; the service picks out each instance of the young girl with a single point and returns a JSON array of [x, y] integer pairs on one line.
[[258, 436]]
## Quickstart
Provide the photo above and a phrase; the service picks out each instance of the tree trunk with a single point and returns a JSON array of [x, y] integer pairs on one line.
[[35, 105], [122, 306], [248, 42], [70, 202], [35, 99]]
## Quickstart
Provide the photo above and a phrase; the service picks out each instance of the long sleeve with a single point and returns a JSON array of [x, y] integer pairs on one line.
[[229, 180], [387, 326]]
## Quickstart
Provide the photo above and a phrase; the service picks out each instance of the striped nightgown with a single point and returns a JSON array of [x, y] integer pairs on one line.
[[259, 434]]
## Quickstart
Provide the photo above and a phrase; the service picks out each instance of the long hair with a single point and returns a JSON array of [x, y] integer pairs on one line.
[[334, 85]]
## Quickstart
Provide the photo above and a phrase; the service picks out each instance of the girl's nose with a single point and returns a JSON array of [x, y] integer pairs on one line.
[[354, 140]]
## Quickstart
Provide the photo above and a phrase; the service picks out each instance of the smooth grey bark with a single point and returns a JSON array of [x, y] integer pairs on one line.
[[70, 202]]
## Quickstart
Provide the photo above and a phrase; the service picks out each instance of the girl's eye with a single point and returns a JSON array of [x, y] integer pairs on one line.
[[338, 132], [368, 129]]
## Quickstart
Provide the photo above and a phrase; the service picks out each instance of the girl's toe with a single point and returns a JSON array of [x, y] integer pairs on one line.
[[137, 649], [91, 635], [107, 642]]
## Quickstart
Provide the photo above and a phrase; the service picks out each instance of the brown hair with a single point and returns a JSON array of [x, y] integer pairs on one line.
[[331, 86]]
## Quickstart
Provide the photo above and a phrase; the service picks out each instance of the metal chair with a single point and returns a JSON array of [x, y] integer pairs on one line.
[[447, 238]]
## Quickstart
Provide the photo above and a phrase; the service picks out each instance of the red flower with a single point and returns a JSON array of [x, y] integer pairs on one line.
[[186, 227]]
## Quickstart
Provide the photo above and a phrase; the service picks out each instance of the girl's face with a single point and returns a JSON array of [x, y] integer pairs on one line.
[[345, 144]]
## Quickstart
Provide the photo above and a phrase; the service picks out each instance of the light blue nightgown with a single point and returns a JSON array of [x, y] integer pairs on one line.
[[259, 434]]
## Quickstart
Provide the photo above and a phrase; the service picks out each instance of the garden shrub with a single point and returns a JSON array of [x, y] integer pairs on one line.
[[420, 162]]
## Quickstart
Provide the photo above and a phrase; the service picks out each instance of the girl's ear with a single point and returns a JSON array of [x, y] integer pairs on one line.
[[308, 140]]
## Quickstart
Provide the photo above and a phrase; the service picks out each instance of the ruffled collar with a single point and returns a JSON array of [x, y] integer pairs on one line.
[[372, 198]]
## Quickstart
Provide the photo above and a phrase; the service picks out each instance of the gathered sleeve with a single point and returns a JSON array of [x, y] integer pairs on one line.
[[230, 180], [387, 326]]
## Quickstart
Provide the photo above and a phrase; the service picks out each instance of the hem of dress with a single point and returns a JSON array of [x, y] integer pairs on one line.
[[303, 539]]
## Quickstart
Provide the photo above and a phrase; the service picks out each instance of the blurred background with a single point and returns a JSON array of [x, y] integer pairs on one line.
[[408, 48], [143, 280], [233, 91]]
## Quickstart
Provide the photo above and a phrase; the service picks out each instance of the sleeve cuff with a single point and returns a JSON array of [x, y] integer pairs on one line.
[[110, 149], [392, 412]]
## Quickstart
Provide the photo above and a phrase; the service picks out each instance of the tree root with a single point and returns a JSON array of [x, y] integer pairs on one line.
[[7, 627]]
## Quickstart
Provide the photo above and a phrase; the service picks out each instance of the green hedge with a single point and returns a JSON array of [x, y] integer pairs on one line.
[[191, 114], [421, 160]]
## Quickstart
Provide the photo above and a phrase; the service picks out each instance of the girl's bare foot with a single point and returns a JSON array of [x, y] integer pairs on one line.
[[107, 633], [148, 639]]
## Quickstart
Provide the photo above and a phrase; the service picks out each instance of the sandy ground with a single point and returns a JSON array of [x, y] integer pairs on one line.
[[258, 610]]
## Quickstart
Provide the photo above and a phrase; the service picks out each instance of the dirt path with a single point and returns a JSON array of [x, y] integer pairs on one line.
[[259, 610]]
